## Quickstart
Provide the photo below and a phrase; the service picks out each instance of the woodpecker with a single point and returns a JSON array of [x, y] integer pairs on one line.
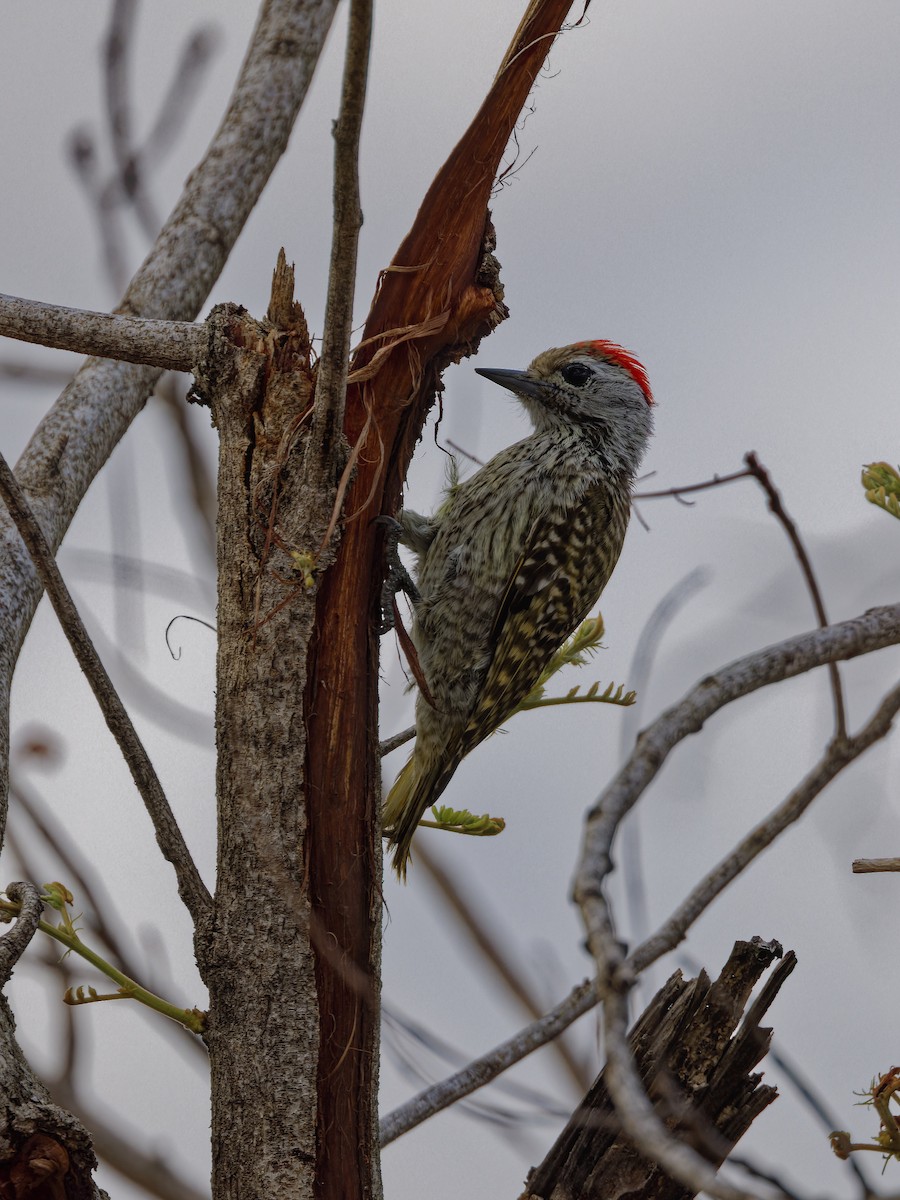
[[515, 558]]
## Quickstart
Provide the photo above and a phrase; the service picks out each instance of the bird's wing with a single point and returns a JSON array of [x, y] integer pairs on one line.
[[554, 584], [537, 610]]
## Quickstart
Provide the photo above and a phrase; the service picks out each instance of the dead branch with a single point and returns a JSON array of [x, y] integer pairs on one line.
[[776, 507], [695, 1051]]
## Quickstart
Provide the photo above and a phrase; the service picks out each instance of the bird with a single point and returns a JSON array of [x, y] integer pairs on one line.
[[515, 557]]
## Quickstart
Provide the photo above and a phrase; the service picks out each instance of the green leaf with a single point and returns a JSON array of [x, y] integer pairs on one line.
[[612, 695], [462, 821], [882, 484]]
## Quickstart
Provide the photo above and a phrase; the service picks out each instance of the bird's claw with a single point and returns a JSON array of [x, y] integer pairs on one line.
[[398, 578]]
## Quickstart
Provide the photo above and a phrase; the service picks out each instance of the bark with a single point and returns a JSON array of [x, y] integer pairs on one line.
[[257, 960], [45, 1153], [695, 1052], [439, 297]]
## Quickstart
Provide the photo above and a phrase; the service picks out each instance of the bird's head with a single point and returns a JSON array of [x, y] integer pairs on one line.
[[596, 390]]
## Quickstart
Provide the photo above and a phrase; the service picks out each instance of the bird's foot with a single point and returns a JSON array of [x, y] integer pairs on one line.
[[398, 578]]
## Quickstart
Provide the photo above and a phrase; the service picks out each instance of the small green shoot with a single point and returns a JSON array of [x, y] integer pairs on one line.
[[462, 821], [305, 565], [58, 896], [882, 484], [576, 652]]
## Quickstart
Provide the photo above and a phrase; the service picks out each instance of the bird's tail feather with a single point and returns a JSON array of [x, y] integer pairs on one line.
[[415, 789]]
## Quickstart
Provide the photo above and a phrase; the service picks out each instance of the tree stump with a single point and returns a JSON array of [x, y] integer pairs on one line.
[[695, 1051]]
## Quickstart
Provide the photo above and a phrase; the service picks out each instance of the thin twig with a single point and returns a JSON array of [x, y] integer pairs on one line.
[[760, 473], [331, 383], [172, 345], [128, 181], [191, 887], [405, 1038], [174, 109], [396, 740], [479, 462], [493, 951], [755, 470], [772, 1178], [482, 1070], [819, 1106], [867, 866], [716, 481], [79, 875], [84, 159]]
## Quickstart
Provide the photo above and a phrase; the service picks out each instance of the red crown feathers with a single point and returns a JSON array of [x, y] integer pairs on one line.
[[622, 358]]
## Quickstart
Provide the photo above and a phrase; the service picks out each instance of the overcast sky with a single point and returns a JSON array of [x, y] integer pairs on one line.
[[713, 185]]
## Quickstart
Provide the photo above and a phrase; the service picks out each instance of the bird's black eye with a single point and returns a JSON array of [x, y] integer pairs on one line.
[[577, 374]]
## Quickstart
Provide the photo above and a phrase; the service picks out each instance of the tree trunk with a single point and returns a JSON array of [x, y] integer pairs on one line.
[[257, 958]]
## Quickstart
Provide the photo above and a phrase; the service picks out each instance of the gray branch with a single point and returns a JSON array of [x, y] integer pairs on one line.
[[170, 345], [482, 1070], [13, 943], [874, 630], [632, 1104]]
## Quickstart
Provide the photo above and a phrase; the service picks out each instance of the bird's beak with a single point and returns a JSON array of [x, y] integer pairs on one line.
[[518, 382]]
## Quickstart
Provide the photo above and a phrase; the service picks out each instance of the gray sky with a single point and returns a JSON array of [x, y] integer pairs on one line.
[[714, 186]]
